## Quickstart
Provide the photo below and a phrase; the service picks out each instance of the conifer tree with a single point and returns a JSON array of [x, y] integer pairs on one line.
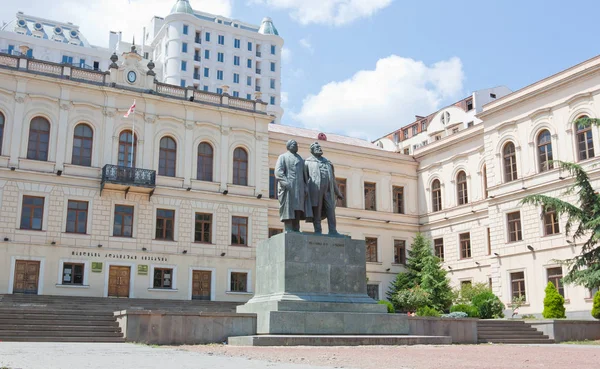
[[554, 303]]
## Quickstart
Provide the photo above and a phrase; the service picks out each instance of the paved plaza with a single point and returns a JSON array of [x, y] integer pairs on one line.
[[126, 356]]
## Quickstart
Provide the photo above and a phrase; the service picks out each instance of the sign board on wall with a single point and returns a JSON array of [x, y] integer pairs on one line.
[[96, 267], [142, 269]]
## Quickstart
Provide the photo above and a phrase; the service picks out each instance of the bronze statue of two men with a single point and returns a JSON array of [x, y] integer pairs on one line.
[[307, 189]]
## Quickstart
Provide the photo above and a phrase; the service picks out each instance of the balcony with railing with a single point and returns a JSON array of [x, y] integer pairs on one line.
[[258, 54], [196, 75], [258, 71], [198, 40], [128, 179], [257, 88], [197, 57]]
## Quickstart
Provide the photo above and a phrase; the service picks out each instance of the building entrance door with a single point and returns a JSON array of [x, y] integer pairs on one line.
[[118, 281], [201, 284], [27, 276]]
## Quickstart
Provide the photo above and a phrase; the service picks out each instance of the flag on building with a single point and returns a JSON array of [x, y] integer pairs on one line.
[[130, 111]]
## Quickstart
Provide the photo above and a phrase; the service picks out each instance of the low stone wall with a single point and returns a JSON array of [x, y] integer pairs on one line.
[[461, 330], [568, 330], [178, 328]]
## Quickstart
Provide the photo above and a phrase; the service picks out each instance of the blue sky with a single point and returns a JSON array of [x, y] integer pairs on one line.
[[366, 67]]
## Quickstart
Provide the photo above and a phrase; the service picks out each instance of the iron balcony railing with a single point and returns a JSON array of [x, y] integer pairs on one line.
[[258, 71], [258, 54], [118, 174], [196, 75], [196, 57], [198, 40]]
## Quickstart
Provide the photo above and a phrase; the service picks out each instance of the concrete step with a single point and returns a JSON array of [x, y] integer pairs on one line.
[[61, 322], [518, 341], [41, 316], [54, 312], [331, 340], [505, 329], [62, 339], [58, 333], [70, 328], [535, 334]]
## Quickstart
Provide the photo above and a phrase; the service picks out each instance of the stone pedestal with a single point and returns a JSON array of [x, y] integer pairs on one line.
[[312, 284]]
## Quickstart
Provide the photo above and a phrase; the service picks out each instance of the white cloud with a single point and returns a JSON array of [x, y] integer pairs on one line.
[[284, 99], [305, 43], [374, 102], [97, 18], [330, 12], [286, 55]]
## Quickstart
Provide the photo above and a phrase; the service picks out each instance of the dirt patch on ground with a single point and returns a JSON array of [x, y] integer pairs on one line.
[[419, 357]]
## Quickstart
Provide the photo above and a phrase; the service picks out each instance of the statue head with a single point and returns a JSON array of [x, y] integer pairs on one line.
[[292, 146], [316, 149]]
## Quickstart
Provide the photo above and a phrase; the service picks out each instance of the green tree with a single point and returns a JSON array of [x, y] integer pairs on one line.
[[554, 303], [596, 306], [423, 270], [583, 217]]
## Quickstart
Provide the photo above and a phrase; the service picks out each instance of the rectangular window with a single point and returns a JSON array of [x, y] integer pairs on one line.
[[236, 60], [415, 130], [184, 47], [207, 36], [373, 291], [272, 184], [371, 249], [489, 242], [239, 282], [185, 29], [249, 81], [423, 126], [203, 228], [72, 273], [438, 248], [67, 59], [165, 220], [163, 278], [405, 133], [514, 226], [469, 104], [205, 88], [206, 73], [470, 124], [551, 222], [219, 90], [273, 48], [398, 193], [465, 245], [249, 46], [400, 252], [517, 285], [198, 38], [77, 212], [220, 75], [206, 54], [249, 63], [272, 100], [221, 40], [272, 67], [123, 224], [555, 276], [249, 96], [236, 78], [32, 213], [272, 83], [407, 151], [220, 57], [370, 196], [274, 231], [341, 182], [239, 231], [182, 83], [236, 43], [236, 94], [183, 65]]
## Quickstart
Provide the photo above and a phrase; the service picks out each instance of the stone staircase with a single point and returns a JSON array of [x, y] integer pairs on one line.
[[32, 318], [509, 331]]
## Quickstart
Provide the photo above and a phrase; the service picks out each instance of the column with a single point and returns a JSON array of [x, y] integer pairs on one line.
[[109, 138], [61, 139], [146, 142], [188, 153], [16, 129], [225, 166]]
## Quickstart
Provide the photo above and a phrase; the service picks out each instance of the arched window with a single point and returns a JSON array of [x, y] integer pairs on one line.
[[485, 184], [126, 149], [167, 157], [436, 195], [39, 139], [544, 144], [205, 162], [240, 167], [83, 138], [461, 187], [509, 155], [585, 144], [1, 131]]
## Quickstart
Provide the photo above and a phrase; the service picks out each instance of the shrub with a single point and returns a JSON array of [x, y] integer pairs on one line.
[[596, 307], [470, 310], [428, 311], [554, 303], [411, 299], [466, 292], [488, 305], [389, 305], [528, 316], [456, 314]]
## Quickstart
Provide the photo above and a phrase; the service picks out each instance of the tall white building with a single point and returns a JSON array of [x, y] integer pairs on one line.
[[189, 48]]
